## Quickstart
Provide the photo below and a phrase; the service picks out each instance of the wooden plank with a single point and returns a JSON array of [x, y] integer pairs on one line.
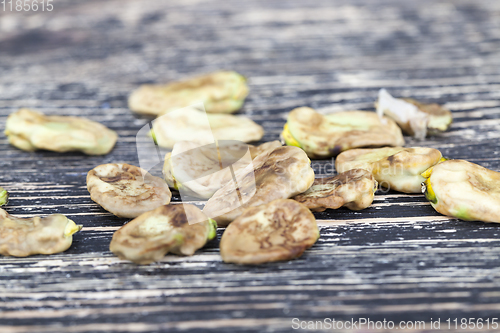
[[398, 260]]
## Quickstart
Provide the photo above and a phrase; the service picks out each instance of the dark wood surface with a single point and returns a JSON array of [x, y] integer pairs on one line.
[[397, 260]]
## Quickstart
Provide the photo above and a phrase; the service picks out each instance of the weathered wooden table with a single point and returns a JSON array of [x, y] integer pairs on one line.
[[399, 260]]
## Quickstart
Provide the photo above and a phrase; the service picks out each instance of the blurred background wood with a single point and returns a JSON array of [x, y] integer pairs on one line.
[[398, 260]]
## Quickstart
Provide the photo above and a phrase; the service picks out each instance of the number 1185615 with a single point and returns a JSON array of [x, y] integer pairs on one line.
[[27, 5], [472, 323]]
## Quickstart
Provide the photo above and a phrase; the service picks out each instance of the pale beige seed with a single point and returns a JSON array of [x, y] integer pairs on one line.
[[191, 124], [220, 92], [464, 190], [282, 174], [35, 235], [202, 170], [415, 118], [150, 236], [126, 190], [395, 168], [30, 130], [324, 136], [264, 148], [353, 189], [279, 230]]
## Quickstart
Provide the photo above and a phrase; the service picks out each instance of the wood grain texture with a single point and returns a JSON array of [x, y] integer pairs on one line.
[[398, 260]]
